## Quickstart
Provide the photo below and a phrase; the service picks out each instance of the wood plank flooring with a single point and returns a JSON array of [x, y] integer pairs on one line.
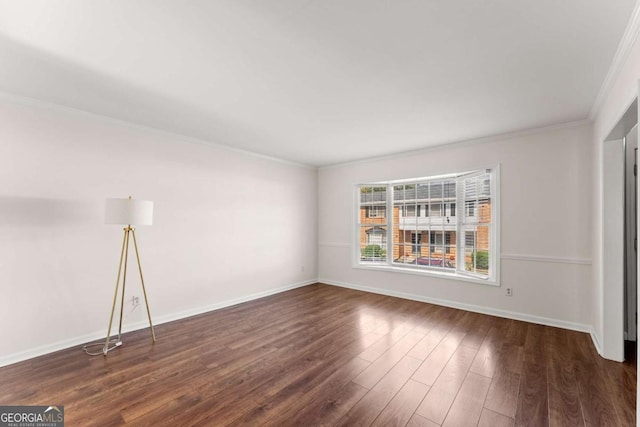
[[327, 356]]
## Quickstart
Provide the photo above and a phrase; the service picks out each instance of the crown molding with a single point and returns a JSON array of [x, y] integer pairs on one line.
[[462, 143], [39, 103], [619, 59]]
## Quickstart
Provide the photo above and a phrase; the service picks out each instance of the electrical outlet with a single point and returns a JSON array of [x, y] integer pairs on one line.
[[135, 301], [509, 292]]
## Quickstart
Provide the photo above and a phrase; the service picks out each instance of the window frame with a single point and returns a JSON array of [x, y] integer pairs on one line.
[[457, 274]]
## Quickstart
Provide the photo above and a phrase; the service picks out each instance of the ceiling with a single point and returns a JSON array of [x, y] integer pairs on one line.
[[316, 82]]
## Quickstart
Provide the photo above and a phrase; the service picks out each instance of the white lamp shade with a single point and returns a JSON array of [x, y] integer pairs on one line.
[[128, 212]]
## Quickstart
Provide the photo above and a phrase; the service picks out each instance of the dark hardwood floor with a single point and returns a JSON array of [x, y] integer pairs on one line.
[[322, 355]]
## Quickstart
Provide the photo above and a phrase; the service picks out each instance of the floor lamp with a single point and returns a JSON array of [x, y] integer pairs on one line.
[[127, 212]]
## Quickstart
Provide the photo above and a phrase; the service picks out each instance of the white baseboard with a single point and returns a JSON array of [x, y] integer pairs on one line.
[[469, 307], [99, 335], [596, 343]]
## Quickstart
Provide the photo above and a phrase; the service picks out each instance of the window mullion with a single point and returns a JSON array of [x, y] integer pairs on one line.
[[475, 240], [460, 209], [390, 223]]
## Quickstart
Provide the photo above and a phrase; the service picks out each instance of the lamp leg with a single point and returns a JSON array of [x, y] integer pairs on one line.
[[105, 349], [144, 291], [127, 232]]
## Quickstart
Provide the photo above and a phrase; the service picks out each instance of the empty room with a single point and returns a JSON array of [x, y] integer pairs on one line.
[[318, 213]]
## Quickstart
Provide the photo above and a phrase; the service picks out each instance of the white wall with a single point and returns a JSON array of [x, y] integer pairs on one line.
[[228, 226], [613, 248], [545, 210]]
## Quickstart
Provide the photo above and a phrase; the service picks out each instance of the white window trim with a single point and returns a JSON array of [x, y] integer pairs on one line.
[[388, 266]]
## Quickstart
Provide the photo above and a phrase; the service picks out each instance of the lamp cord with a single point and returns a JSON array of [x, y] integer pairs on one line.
[[86, 347]]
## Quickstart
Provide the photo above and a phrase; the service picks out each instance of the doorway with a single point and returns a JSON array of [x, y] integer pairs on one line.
[[630, 142], [618, 312]]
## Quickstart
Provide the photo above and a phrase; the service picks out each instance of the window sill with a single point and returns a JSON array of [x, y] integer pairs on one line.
[[424, 272]]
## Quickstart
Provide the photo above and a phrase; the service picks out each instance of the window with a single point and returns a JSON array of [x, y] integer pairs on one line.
[[470, 239], [373, 224], [470, 208], [416, 240], [378, 211], [409, 210], [439, 242], [447, 241], [436, 241]]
